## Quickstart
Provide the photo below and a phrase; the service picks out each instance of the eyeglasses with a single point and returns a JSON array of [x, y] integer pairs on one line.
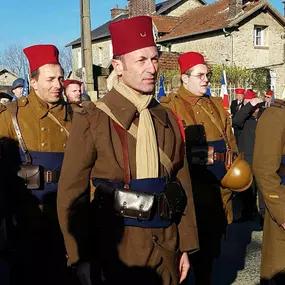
[[202, 76], [267, 96]]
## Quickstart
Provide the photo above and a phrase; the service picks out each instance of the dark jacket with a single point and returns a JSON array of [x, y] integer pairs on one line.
[[234, 107], [101, 157], [246, 121]]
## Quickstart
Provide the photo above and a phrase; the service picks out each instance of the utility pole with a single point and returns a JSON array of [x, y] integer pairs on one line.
[[86, 47]]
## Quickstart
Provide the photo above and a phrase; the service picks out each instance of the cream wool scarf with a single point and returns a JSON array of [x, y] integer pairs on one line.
[[146, 148]]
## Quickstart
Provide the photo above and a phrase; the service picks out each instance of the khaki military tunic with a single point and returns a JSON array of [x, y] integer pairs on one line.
[[204, 120], [185, 105], [268, 151], [127, 248], [40, 132], [39, 244]]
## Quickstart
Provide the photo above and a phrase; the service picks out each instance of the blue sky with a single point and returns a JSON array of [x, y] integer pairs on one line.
[[28, 22]]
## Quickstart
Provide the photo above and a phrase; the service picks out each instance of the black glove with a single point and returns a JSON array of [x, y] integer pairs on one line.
[[83, 273]]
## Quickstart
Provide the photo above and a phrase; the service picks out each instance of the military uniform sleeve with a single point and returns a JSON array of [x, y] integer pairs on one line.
[[187, 228], [5, 123], [269, 144], [242, 115], [188, 233], [74, 183], [230, 134]]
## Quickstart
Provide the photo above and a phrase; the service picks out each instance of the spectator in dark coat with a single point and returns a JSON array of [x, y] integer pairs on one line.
[[246, 120], [236, 105]]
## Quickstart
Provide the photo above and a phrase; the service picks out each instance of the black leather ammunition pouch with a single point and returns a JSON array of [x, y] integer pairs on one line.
[[132, 204], [32, 176]]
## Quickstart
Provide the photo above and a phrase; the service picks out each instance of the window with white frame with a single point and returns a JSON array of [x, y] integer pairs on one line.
[[259, 35]]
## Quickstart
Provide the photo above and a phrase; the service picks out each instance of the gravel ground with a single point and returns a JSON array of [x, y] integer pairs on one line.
[[241, 254]]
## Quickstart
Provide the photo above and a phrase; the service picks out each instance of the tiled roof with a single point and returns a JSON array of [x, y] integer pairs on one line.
[[164, 6], [168, 60], [165, 24], [103, 30], [205, 18]]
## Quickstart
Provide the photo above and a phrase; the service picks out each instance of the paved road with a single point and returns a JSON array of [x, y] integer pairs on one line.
[[241, 253]]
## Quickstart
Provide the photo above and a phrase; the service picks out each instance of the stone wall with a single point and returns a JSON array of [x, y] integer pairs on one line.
[[216, 48], [7, 78], [101, 51], [188, 5], [272, 53], [238, 48]]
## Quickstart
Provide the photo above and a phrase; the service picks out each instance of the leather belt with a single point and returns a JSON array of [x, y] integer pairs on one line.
[[219, 156], [281, 171], [51, 176]]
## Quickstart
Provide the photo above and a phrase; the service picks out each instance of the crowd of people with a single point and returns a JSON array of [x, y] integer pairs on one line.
[[129, 190]]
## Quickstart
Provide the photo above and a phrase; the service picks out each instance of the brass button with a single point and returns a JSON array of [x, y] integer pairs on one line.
[[64, 145], [197, 113], [43, 144], [61, 129], [212, 112], [202, 123], [155, 238], [23, 100], [43, 129]]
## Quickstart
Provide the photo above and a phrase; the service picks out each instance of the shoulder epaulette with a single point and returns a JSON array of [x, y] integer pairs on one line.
[[22, 101], [2, 108], [278, 103], [168, 98]]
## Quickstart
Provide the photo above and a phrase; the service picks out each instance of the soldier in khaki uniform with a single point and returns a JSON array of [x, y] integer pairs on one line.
[[128, 246], [208, 136], [43, 124], [268, 168]]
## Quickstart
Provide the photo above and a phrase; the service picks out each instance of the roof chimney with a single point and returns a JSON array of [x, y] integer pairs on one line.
[[141, 7], [235, 7], [116, 11]]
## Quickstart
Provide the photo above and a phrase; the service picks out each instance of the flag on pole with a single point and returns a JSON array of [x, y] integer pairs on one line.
[[25, 91], [208, 92], [161, 92], [224, 93]]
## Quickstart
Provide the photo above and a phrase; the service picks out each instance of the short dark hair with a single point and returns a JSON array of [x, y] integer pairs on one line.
[[35, 74]]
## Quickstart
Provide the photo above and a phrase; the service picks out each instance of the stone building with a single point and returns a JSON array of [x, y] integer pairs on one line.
[[7, 77], [250, 35], [245, 33]]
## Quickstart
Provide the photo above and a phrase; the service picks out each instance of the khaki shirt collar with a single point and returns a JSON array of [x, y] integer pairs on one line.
[[125, 111], [42, 108], [184, 94]]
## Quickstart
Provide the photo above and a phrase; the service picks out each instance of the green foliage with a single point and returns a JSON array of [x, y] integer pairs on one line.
[[168, 75], [260, 80], [236, 75]]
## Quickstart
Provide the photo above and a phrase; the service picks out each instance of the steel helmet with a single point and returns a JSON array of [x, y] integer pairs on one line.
[[19, 82], [239, 177]]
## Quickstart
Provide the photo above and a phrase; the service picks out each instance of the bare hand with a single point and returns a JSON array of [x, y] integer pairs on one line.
[[184, 266], [255, 101], [283, 226]]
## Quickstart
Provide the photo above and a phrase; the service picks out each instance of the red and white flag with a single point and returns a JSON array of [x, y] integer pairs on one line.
[[224, 93]]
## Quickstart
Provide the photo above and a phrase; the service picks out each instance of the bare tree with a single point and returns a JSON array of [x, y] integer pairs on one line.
[[14, 60], [65, 57]]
